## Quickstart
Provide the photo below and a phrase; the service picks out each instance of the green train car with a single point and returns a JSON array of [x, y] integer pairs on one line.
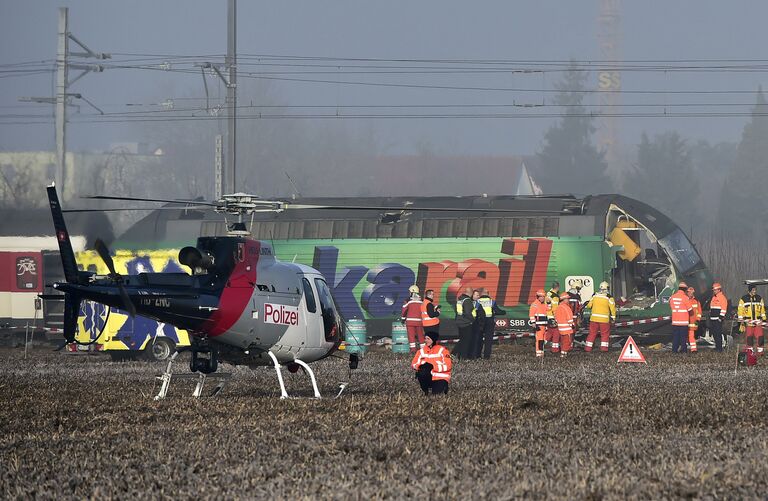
[[511, 245]]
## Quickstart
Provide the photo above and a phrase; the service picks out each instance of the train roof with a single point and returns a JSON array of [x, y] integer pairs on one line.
[[536, 215], [38, 223]]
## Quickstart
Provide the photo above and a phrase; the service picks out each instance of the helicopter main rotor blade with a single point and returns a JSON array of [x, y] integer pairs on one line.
[[160, 200], [119, 209]]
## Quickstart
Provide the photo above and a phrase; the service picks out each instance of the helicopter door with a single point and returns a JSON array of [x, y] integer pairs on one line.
[[313, 323]]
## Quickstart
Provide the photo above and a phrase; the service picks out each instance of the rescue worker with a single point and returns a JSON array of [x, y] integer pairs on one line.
[[553, 298], [603, 314], [432, 364], [681, 315], [564, 319], [490, 310], [537, 319], [477, 327], [752, 314], [430, 313], [574, 300], [718, 307], [465, 316], [693, 322], [412, 319]]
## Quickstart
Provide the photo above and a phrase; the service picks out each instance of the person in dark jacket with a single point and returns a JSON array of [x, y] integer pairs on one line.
[[490, 309], [476, 346], [465, 316]]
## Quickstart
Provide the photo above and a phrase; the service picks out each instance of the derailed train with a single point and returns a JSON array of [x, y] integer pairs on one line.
[[370, 256]]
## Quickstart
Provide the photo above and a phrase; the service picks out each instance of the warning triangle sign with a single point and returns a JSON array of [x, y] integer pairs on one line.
[[630, 352]]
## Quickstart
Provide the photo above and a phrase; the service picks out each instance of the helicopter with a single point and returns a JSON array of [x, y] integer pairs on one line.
[[241, 304]]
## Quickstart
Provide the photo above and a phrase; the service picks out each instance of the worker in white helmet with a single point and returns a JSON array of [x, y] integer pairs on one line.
[[602, 314]]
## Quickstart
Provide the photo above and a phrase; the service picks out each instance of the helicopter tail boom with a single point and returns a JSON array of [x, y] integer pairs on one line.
[[62, 237]]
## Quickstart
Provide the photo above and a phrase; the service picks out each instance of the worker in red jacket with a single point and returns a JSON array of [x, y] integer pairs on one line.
[[432, 364], [412, 318]]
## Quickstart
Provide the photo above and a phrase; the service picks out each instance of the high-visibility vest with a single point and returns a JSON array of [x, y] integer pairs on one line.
[[718, 306], [426, 320], [693, 323], [440, 359], [603, 308], [538, 314], [486, 304], [412, 312], [751, 308], [460, 309], [564, 318], [554, 300], [681, 308]]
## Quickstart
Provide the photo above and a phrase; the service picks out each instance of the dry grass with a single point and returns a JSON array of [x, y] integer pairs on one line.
[[584, 428]]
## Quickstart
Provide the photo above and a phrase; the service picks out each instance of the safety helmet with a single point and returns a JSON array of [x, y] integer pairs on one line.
[[540, 292], [682, 285], [565, 296], [604, 286], [413, 289], [716, 286]]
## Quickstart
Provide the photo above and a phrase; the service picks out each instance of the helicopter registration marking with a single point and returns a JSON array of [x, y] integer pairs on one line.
[[281, 314], [156, 302]]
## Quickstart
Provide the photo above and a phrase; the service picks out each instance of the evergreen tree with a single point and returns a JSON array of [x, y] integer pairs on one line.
[[744, 201], [664, 177], [569, 162]]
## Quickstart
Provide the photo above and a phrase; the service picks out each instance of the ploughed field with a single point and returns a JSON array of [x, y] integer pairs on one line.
[[682, 426]]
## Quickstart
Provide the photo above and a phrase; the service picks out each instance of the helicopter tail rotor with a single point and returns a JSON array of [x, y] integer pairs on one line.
[[103, 251]]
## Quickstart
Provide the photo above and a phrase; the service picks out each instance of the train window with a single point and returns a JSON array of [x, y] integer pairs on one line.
[[309, 295], [680, 251]]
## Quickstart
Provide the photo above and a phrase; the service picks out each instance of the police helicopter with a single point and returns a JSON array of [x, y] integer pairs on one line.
[[240, 304]]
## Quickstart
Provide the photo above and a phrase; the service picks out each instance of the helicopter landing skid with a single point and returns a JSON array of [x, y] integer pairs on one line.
[[165, 378], [283, 392]]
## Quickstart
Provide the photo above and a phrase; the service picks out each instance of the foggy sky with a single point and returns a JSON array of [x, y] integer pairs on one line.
[[444, 29]]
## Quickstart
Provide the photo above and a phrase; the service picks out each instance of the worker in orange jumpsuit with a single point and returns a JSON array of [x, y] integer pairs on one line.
[[430, 312], [602, 315], [432, 364], [681, 315], [565, 323], [752, 315], [718, 307], [553, 298], [693, 322], [538, 320], [412, 318]]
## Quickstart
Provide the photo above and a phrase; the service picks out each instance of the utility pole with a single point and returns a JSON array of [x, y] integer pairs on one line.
[[230, 167], [62, 73], [609, 80], [62, 98]]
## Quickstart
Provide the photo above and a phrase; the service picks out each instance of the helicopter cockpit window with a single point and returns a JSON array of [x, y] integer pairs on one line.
[[309, 295], [327, 307], [680, 251]]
